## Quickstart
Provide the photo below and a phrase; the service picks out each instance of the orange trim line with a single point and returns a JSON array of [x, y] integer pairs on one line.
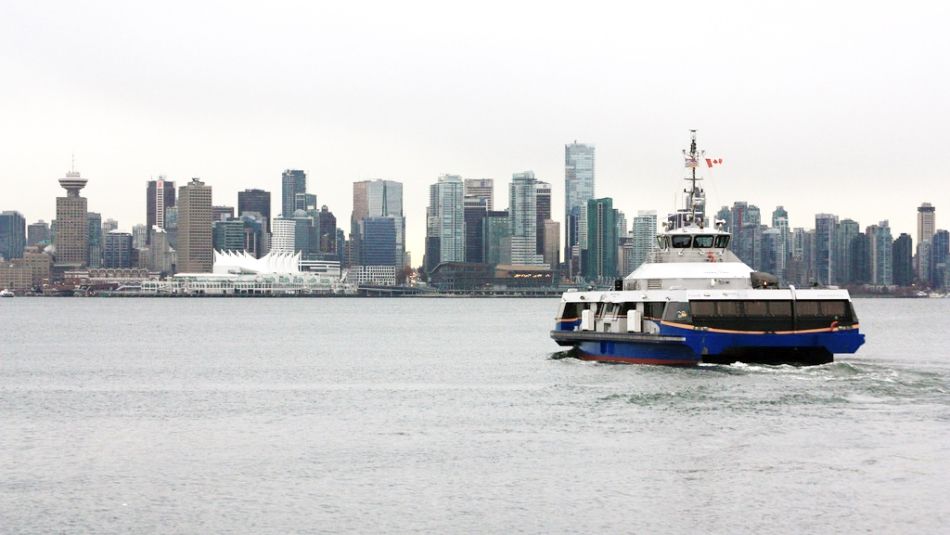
[[728, 331]]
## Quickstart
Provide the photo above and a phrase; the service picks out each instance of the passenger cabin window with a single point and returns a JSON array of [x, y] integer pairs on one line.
[[681, 242], [662, 242], [703, 242], [722, 241]]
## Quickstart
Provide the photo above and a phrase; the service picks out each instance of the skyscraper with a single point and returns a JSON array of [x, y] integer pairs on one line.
[[881, 254], [95, 239], [578, 189], [846, 231], [746, 228], [194, 228], [117, 250], [903, 260], [482, 189], [543, 200], [600, 257], [293, 181], [222, 213], [523, 208], [939, 259], [496, 237], [926, 222], [825, 228], [160, 196], [552, 243], [377, 198], [446, 218], [37, 233], [283, 238], [72, 226], [12, 235], [228, 235], [644, 237], [327, 224], [255, 200], [475, 211]]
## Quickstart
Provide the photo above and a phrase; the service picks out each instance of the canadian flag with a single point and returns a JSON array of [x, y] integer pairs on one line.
[[713, 161]]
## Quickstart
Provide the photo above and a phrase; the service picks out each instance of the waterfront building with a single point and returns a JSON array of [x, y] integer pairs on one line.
[[372, 275], [293, 181], [482, 189], [939, 255], [194, 228], [15, 275], [160, 196], [903, 260], [644, 238], [496, 237], [117, 250], [845, 232], [94, 221], [228, 235], [524, 222], [543, 212], [578, 189], [475, 210], [283, 238], [38, 233], [257, 201], [40, 265], [12, 235], [222, 213], [825, 228], [881, 254], [600, 257], [72, 227], [446, 217]]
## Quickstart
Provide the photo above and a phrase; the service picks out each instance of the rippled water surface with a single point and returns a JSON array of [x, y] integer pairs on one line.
[[451, 415]]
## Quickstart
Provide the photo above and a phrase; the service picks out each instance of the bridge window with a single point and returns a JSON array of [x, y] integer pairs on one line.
[[703, 242], [722, 241], [681, 241]]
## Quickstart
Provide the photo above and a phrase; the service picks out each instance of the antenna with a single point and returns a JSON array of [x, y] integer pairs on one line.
[[72, 166]]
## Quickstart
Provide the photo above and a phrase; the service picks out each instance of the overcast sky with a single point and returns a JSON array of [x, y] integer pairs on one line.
[[823, 107]]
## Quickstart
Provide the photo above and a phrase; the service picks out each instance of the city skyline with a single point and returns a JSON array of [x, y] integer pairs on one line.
[[853, 111]]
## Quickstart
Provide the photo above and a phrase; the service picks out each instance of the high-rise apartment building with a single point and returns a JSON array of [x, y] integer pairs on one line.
[[446, 217], [825, 228], [939, 259], [257, 201], [72, 226], [12, 235], [523, 208], [578, 189], [160, 196], [881, 254], [283, 237], [293, 181], [746, 228], [644, 237], [903, 260], [496, 237], [845, 232], [600, 258], [195, 246], [543, 200]]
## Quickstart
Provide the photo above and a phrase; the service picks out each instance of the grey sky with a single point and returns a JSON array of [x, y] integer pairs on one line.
[[823, 107]]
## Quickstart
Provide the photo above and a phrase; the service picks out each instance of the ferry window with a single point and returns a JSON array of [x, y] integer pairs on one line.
[[780, 308], [806, 308], [653, 310], [681, 242], [661, 242], [728, 308], [676, 312], [703, 242], [722, 241], [755, 308], [703, 308], [833, 308]]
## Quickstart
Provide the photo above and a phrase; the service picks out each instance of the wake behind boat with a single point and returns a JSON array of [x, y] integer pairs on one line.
[[695, 301]]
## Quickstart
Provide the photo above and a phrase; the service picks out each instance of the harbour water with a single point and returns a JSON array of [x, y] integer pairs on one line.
[[451, 415]]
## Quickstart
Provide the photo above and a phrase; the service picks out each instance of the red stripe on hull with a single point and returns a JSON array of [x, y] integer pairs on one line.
[[635, 360]]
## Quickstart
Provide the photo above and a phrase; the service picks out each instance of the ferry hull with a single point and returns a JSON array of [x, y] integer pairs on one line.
[[678, 346]]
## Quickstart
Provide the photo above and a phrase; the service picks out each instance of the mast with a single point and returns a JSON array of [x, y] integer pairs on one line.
[[694, 194]]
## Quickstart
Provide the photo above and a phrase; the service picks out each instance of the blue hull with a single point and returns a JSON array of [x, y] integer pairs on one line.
[[692, 346]]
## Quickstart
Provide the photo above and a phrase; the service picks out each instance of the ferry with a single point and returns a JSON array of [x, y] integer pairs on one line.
[[694, 301]]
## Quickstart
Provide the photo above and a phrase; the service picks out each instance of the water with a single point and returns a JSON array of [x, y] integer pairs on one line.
[[450, 415]]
